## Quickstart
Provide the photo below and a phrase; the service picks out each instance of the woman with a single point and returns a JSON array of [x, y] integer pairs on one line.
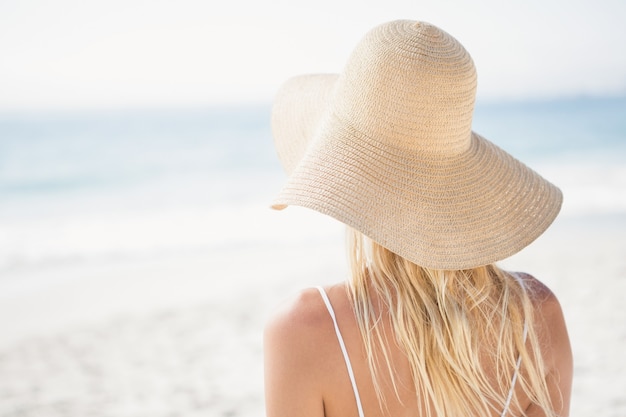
[[426, 325]]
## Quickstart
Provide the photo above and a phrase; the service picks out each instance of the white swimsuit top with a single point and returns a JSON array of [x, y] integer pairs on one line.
[[351, 372]]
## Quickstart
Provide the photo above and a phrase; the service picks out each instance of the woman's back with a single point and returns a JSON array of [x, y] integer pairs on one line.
[[431, 326], [306, 358]]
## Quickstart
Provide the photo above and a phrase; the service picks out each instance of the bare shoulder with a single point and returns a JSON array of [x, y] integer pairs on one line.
[[547, 306], [298, 327], [541, 295], [554, 344], [549, 320], [294, 348], [303, 313]]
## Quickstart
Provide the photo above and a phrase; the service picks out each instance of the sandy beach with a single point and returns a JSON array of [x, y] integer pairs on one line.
[[181, 335]]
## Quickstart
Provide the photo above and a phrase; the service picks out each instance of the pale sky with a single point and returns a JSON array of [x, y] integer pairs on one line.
[[67, 54]]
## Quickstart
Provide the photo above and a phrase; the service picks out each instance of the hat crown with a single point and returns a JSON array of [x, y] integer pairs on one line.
[[409, 85]]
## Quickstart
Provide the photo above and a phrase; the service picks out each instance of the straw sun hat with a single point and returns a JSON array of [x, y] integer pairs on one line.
[[386, 147]]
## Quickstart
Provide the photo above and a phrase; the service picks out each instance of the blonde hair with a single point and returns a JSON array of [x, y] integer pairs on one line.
[[452, 325]]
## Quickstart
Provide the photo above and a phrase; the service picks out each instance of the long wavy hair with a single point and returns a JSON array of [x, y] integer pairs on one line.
[[453, 326]]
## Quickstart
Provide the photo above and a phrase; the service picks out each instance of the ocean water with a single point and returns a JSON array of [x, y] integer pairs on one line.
[[84, 186]]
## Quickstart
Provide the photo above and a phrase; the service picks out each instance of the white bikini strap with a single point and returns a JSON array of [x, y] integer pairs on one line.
[[343, 350]]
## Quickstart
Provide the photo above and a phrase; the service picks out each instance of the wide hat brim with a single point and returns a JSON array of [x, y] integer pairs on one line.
[[455, 211], [473, 209]]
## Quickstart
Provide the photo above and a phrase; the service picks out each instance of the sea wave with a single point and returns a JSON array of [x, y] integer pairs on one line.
[[75, 189]]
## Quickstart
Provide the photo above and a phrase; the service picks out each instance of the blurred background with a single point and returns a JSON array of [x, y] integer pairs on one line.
[[138, 256]]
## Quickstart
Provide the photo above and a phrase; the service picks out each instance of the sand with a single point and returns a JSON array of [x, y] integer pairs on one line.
[[180, 334]]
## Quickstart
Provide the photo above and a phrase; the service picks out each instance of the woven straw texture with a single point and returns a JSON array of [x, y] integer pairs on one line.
[[386, 147]]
